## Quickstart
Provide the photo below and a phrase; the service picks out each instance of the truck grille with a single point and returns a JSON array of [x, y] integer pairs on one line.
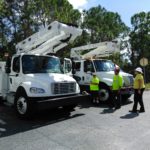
[[63, 88]]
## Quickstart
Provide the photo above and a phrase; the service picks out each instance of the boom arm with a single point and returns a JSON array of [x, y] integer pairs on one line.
[[95, 50], [49, 39]]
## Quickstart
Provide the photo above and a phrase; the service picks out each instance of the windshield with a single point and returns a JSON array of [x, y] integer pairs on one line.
[[104, 65], [40, 64]]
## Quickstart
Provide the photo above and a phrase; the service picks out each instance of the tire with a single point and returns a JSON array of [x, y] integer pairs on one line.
[[22, 105], [104, 93]]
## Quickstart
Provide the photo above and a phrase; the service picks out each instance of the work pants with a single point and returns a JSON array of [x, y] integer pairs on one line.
[[138, 98], [95, 95], [116, 98]]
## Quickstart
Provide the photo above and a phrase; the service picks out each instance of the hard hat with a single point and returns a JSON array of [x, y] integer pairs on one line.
[[117, 68], [138, 69]]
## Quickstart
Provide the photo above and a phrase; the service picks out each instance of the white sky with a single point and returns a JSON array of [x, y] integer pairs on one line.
[[77, 4]]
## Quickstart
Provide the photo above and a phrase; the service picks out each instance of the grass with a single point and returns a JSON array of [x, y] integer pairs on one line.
[[147, 85]]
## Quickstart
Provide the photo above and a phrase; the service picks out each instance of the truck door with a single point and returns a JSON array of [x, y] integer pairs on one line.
[[14, 77], [67, 66], [77, 71], [88, 70]]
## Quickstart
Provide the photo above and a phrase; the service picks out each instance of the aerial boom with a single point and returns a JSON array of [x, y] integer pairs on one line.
[[95, 50], [49, 39]]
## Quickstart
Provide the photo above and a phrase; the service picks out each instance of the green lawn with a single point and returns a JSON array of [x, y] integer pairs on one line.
[[147, 85]]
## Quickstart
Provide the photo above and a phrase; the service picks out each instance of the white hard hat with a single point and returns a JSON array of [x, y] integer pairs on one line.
[[138, 69]]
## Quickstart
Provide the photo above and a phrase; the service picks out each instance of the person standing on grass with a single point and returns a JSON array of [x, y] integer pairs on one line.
[[139, 88]]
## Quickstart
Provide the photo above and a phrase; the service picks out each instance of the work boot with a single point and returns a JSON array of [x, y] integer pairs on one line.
[[133, 111], [141, 110]]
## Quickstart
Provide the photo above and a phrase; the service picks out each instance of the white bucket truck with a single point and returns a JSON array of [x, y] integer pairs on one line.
[[32, 79], [88, 59]]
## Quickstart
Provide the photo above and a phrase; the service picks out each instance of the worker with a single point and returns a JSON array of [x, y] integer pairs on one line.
[[116, 87], [139, 88], [94, 88]]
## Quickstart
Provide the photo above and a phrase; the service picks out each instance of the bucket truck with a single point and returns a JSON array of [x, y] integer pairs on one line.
[[32, 79], [88, 59]]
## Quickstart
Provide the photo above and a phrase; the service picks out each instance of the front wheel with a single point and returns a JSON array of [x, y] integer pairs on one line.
[[104, 94], [22, 105]]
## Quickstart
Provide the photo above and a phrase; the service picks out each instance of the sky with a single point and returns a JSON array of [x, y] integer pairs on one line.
[[125, 8]]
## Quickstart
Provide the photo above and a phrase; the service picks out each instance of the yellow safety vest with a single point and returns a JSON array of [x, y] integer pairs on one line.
[[117, 82], [94, 87], [136, 82]]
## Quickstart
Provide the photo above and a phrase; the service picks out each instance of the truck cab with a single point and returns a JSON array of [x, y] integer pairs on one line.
[[38, 69]]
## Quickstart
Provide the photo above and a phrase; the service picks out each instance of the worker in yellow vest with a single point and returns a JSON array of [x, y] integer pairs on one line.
[[116, 87], [94, 88], [139, 87]]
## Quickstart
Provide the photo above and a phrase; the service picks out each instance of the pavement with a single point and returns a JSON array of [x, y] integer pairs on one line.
[[88, 127]]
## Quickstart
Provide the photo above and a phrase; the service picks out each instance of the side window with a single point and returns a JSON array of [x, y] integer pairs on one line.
[[16, 64], [88, 66], [28, 64]]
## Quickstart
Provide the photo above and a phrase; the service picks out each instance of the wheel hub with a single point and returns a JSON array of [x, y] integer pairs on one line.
[[104, 95], [22, 105]]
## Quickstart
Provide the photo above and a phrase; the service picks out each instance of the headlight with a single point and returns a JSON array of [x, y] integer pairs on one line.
[[36, 90], [77, 88]]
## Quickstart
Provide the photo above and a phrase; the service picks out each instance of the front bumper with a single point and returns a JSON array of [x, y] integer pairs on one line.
[[53, 102]]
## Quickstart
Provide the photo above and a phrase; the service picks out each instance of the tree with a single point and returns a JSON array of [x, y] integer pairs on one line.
[[104, 25], [140, 39], [140, 36], [21, 18]]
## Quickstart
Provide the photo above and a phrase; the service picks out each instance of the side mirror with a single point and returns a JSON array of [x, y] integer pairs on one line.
[[67, 65]]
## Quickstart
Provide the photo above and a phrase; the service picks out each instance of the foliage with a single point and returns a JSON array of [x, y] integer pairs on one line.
[[147, 86], [140, 39], [21, 18], [104, 25]]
